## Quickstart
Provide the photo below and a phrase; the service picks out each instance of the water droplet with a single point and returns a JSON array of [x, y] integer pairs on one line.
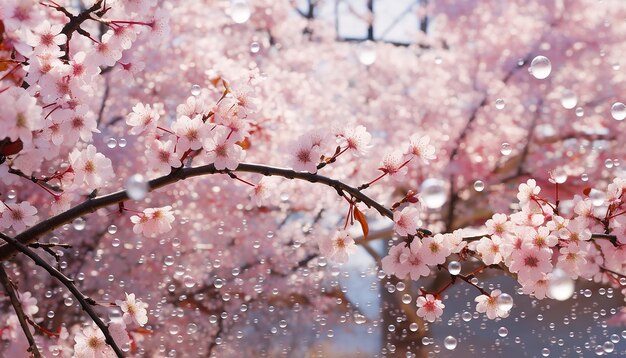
[[454, 267], [560, 285], [579, 112], [68, 301], [406, 298], [255, 47], [367, 53], [500, 103], [79, 224], [188, 281], [568, 99], [413, 327], [169, 260], [584, 177], [505, 302], [116, 242], [136, 187], [239, 11], [122, 142], [540, 67], [608, 346], [618, 111], [112, 229], [433, 193], [111, 143], [545, 352], [192, 328], [12, 194], [559, 175], [503, 331], [479, 185], [450, 343], [359, 318], [195, 90], [506, 149], [608, 163]]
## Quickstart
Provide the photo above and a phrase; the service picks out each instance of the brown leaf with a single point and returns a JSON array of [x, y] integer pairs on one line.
[[587, 190], [358, 216]]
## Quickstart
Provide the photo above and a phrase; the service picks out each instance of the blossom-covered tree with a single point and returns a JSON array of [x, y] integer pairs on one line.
[[180, 176]]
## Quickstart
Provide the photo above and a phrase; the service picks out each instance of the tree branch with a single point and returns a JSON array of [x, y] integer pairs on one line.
[[90, 205], [19, 311], [85, 301]]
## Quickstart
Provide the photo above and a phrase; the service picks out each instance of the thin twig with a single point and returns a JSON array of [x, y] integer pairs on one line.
[[19, 311], [85, 301]]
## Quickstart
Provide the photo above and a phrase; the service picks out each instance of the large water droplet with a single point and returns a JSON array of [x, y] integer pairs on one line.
[[449, 342], [111, 143], [136, 187], [506, 149], [255, 47], [540, 67], [500, 103], [359, 318], [367, 53], [569, 99], [559, 175], [560, 286], [454, 267], [79, 224], [195, 90], [503, 331], [505, 302], [479, 185], [618, 111], [433, 193], [239, 11]]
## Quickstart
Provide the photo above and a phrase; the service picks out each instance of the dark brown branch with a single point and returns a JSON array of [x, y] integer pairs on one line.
[[84, 301], [19, 311], [93, 204]]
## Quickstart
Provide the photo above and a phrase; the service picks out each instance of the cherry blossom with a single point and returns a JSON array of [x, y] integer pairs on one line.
[[530, 262], [134, 311], [143, 118], [490, 250], [527, 191], [91, 343], [153, 221], [420, 147], [222, 150], [162, 157], [339, 247], [429, 307], [406, 222], [489, 305], [356, 140], [395, 263], [18, 216], [46, 36], [90, 167], [305, 155], [191, 133]]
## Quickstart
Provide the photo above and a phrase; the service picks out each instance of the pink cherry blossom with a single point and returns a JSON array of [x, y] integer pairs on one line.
[[338, 247], [530, 262], [435, 249], [46, 36], [222, 150], [18, 216], [91, 343], [153, 221], [527, 191], [162, 157], [407, 221], [90, 167], [490, 250], [489, 305], [356, 140], [420, 147], [191, 133], [305, 155], [143, 118], [396, 262], [134, 311], [416, 264], [429, 307]]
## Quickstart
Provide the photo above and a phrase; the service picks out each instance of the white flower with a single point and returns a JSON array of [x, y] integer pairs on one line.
[[91, 167], [91, 343], [527, 191], [153, 221], [407, 221], [420, 147], [134, 311], [430, 308], [356, 140], [143, 118], [19, 216], [489, 305], [338, 247], [222, 150]]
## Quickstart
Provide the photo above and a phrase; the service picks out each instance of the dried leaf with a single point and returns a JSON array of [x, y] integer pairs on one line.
[[358, 216]]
